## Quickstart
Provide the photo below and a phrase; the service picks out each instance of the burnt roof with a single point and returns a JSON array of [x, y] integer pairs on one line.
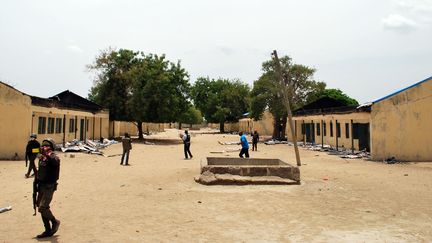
[[327, 105], [67, 99]]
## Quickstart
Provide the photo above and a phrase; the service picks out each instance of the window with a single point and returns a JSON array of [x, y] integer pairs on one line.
[[347, 130], [331, 129], [59, 125], [338, 130], [303, 128], [71, 125], [325, 129], [87, 124], [318, 129], [42, 125], [50, 125]]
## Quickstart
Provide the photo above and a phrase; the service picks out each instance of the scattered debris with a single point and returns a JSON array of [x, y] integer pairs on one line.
[[341, 152], [391, 160], [226, 151], [89, 146], [8, 208], [228, 143]]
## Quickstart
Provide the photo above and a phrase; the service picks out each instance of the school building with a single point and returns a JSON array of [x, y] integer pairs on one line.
[[396, 125], [62, 117]]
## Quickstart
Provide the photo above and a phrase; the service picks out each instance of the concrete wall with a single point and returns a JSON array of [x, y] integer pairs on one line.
[[15, 122], [228, 127], [118, 128], [76, 124], [344, 140], [401, 125], [263, 126]]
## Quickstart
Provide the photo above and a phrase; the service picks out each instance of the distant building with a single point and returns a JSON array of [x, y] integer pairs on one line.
[[63, 117], [397, 125]]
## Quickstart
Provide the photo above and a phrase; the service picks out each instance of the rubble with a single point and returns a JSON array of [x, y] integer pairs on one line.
[[89, 146]]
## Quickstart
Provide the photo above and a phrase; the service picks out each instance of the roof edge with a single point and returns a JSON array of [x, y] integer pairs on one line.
[[400, 91]]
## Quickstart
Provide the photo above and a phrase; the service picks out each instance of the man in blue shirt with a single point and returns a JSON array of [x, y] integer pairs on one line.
[[245, 145]]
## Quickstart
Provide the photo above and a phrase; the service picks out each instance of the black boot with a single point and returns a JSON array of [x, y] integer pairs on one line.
[[47, 232], [55, 225]]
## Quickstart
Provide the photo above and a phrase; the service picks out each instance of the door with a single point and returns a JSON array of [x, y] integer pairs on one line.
[[361, 132], [82, 130]]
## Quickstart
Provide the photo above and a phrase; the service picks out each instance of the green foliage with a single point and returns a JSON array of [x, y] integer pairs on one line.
[[139, 87], [266, 92], [191, 116], [336, 94], [221, 100]]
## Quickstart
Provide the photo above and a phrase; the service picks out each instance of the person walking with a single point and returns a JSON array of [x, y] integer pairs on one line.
[[127, 146], [245, 145], [46, 183], [186, 141], [32, 149], [255, 139]]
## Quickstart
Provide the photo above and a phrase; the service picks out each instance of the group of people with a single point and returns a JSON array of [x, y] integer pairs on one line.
[[245, 144], [45, 180], [47, 172]]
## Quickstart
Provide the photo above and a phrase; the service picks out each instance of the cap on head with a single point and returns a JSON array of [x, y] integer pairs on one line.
[[33, 135], [49, 142]]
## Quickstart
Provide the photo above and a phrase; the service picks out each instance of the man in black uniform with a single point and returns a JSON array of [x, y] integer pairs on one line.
[[46, 181], [186, 142], [32, 149]]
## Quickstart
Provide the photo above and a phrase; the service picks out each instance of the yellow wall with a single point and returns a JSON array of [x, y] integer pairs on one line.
[[228, 127], [331, 119], [96, 128], [401, 125], [15, 122], [263, 126], [118, 128]]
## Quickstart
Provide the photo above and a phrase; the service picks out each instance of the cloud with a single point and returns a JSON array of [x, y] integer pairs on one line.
[[226, 50], [75, 48], [399, 23], [416, 6]]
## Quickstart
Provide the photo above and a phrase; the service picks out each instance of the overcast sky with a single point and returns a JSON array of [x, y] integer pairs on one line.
[[366, 48]]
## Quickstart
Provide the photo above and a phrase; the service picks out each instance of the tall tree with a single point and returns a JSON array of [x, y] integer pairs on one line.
[[221, 100], [152, 89], [266, 91]]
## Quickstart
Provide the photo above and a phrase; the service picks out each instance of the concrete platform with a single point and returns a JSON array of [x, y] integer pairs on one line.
[[217, 170]]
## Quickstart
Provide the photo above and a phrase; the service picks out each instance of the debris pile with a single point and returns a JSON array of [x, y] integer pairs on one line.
[[89, 146], [341, 152]]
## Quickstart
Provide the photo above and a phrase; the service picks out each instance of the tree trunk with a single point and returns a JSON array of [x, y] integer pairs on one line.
[[283, 125], [275, 128], [221, 127], [180, 125], [140, 131]]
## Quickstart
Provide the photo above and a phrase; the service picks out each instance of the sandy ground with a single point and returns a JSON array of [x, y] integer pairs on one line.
[[156, 199]]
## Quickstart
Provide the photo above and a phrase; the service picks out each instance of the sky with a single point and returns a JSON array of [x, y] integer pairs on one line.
[[366, 48]]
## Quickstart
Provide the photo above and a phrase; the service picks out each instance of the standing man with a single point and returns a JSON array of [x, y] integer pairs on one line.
[[186, 142], [255, 139], [32, 149], [127, 146], [46, 183], [245, 145]]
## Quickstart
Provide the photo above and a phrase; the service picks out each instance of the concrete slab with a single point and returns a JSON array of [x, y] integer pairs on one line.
[[218, 170]]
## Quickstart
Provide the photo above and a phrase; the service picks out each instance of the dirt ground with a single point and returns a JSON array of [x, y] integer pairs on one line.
[[156, 199]]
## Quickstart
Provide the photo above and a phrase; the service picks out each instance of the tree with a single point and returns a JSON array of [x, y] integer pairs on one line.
[[336, 94], [140, 88], [191, 116], [266, 91], [221, 100]]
